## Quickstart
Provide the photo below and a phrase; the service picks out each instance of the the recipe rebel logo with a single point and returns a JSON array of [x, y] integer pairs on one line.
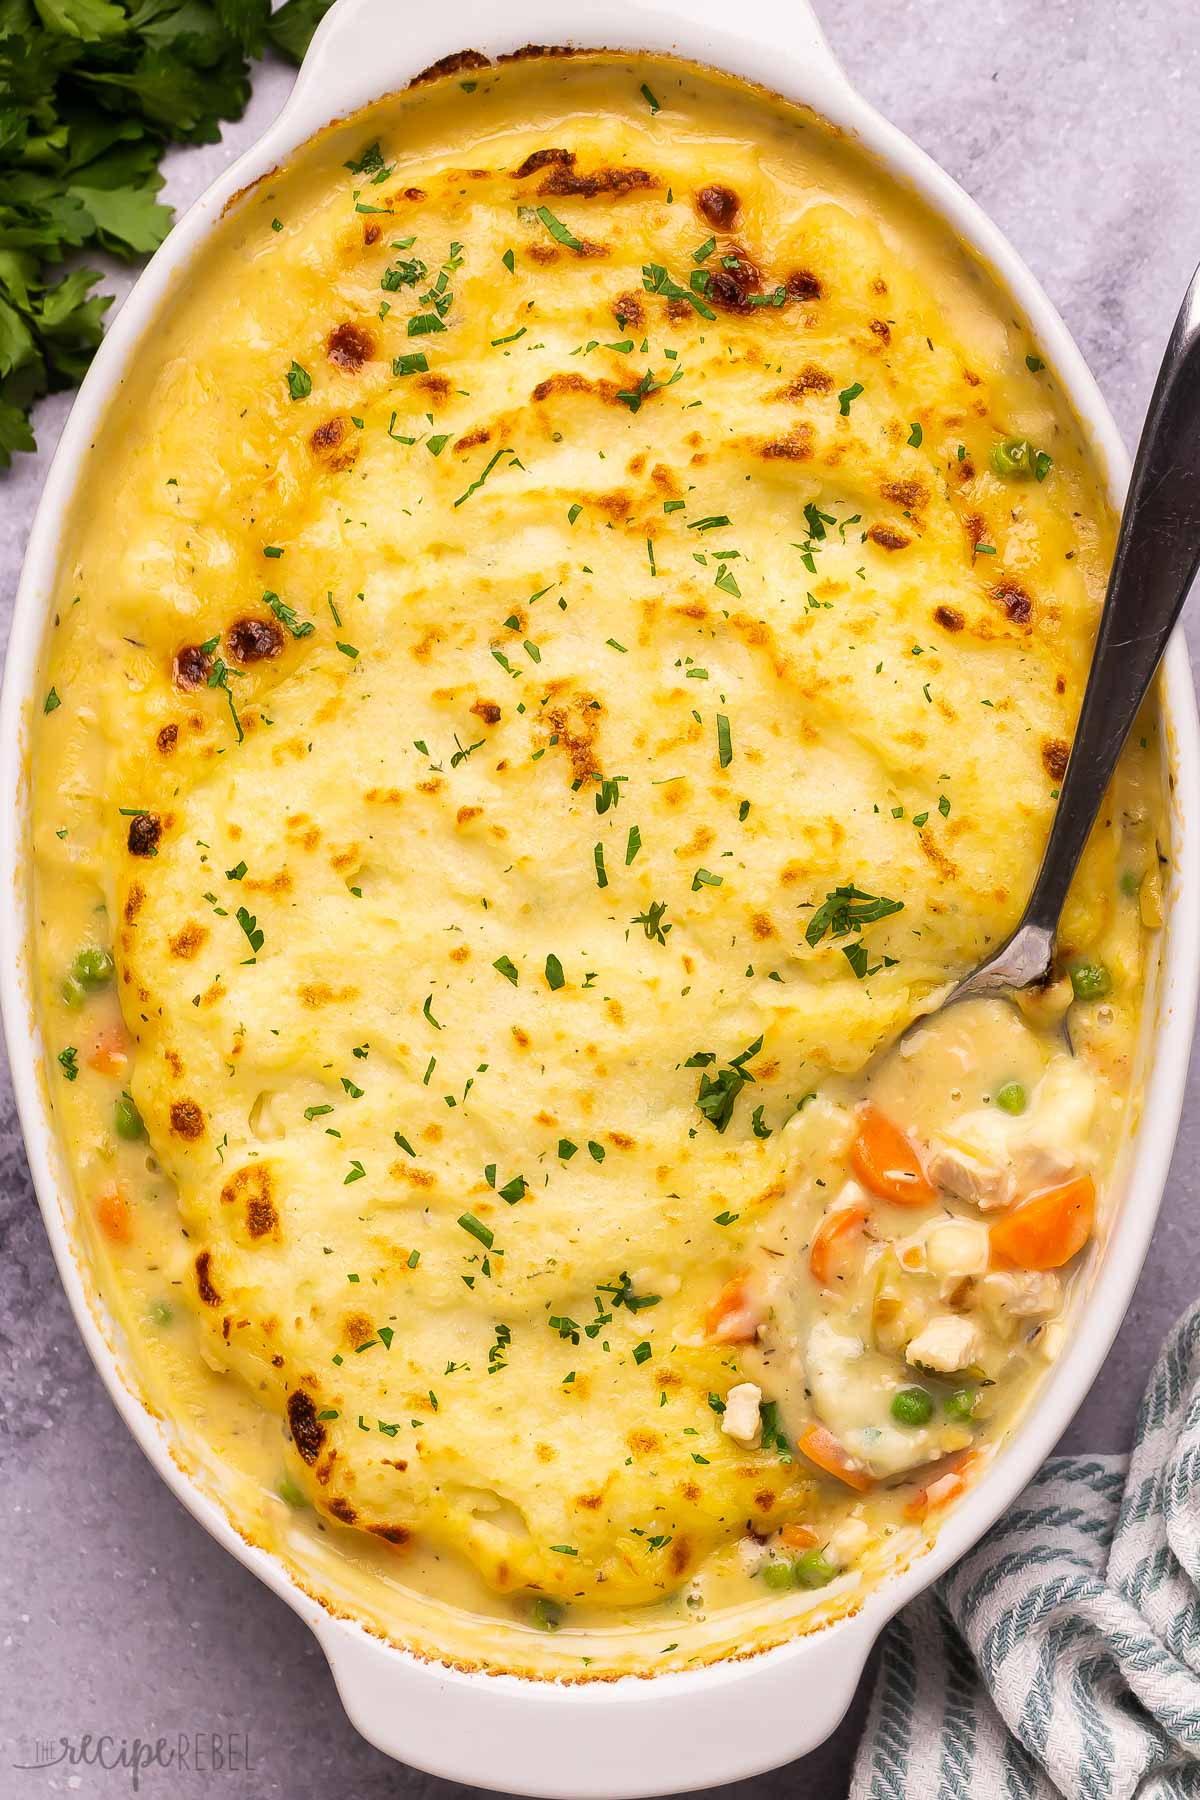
[[210, 1753]]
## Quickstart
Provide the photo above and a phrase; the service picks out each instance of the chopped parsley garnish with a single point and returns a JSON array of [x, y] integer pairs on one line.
[[299, 628], [51, 701], [717, 1094], [249, 925], [299, 382], [848, 909], [478, 1229], [507, 968], [656, 280], [915, 436], [68, 1063], [651, 921], [848, 395], [654, 105], [554, 972], [558, 231], [724, 741], [415, 363], [601, 872]]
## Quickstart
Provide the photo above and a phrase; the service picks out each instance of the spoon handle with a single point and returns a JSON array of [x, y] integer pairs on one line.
[[1158, 552]]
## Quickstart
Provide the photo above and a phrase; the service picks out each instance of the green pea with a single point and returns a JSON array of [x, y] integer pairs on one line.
[[1012, 1098], [778, 1574], [1131, 882], [547, 1615], [128, 1120], [74, 994], [961, 1403], [1090, 981], [92, 967], [1013, 460], [813, 1569], [161, 1313], [287, 1490], [912, 1406]]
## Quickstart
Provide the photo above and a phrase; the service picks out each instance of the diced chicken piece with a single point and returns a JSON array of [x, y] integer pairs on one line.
[[751, 1555], [957, 1249], [970, 1176], [1021, 1293], [741, 1419], [948, 1342], [848, 1541]]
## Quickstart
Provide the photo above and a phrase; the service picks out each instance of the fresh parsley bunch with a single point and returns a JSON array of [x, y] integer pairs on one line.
[[91, 92]]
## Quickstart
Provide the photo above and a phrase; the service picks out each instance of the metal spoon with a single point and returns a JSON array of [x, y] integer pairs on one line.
[[1158, 552]]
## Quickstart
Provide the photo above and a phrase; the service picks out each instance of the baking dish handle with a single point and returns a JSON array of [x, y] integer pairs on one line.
[[604, 1740], [364, 48]]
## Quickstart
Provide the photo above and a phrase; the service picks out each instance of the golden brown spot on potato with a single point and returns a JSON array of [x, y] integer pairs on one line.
[[949, 618], [251, 1187], [591, 1502], [794, 446], [571, 383], [811, 380], [308, 1433], [357, 1329], [906, 494], [937, 856], [732, 284], [1060, 684], [976, 529], [545, 1452], [453, 64], [620, 1140], [487, 710], [575, 726], [971, 378], [349, 346], [433, 1133], [470, 440], [438, 387], [349, 858], [187, 942], [888, 538], [762, 926], [1014, 600], [461, 953], [643, 1443], [617, 505], [543, 159], [314, 994], [342, 1509], [280, 883], [370, 232], [680, 1555], [465, 814], [1054, 757], [167, 739], [718, 206], [690, 1492], [765, 1500], [393, 1534], [422, 1178], [187, 1120], [882, 330], [204, 1284], [190, 667], [564, 181], [332, 443], [629, 310], [145, 829], [522, 1037], [253, 640], [802, 284]]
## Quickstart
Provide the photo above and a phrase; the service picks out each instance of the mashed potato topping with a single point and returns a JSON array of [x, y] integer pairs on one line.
[[570, 637]]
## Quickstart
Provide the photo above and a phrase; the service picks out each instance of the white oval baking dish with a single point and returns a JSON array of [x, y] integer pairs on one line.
[[632, 1737]]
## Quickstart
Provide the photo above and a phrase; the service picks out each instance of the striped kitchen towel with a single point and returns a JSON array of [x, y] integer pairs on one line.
[[1062, 1655]]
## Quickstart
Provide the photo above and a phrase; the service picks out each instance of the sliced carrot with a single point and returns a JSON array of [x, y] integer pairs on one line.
[[830, 1241], [884, 1161], [799, 1537], [820, 1446], [734, 1316], [948, 1486], [110, 1052], [112, 1210], [1048, 1229]]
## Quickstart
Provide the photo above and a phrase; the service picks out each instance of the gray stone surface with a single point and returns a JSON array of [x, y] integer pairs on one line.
[[1077, 127]]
